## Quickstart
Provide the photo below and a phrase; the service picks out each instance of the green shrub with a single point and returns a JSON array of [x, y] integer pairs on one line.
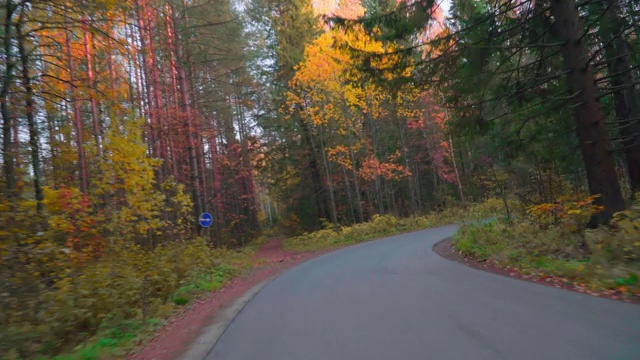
[[619, 242]]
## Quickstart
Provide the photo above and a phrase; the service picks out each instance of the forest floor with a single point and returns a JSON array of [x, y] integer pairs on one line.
[[183, 328]]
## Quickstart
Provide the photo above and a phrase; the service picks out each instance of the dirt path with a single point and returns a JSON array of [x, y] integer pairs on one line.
[[183, 328]]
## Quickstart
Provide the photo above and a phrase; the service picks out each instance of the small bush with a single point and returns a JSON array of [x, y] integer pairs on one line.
[[619, 242]]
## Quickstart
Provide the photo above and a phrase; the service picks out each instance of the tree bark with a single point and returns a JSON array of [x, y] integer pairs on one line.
[[189, 121], [147, 69], [247, 171], [7, 141], [34, 136], [356, 182], [75, 104], [626, 103], [173, 94], [589, 117], [312, 163], [332, 200], [455, 168], [349, 197], [95, 120]]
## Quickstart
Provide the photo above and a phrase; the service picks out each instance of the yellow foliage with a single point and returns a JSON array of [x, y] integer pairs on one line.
[[572, 212], [129, 282], [129, 178], [385, 225]]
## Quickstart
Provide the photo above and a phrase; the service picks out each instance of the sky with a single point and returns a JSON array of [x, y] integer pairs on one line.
[[330, 6]]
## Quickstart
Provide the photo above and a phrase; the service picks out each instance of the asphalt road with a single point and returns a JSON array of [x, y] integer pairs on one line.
[[395, 299]]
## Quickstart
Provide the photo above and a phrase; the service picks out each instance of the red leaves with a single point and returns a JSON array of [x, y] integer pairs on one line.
[[75, 223], [433, 125], [372, 167]]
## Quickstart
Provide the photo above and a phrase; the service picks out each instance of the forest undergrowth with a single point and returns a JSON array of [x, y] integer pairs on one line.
[[552, 240]]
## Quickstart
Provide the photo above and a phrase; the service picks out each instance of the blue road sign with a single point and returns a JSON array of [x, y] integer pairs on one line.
[[205, 219]]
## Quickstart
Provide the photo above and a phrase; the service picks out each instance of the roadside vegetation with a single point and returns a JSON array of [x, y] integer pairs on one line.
[[386, 225], [551, 240], [108, 306]]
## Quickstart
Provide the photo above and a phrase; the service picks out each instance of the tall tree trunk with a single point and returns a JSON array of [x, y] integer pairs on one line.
[[173, 94], [18, 171], [589, 117], [453, 157], [622, 79], [95, 120], [416, 180], [7, 141], [216, 174], [148, 64], [247, 171], [135, 70], [75, 104], [156, 84], [332, 200], [405, 154], [349, 197], [54, 149], [312, 162], [34, 137], [356, 181], [190, 128], [455, 168]]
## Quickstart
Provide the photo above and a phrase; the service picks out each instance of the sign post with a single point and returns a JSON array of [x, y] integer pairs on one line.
[[205, 219]]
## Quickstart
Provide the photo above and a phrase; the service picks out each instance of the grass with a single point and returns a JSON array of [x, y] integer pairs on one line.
[[113, 341], [204, 283], [552, 251]]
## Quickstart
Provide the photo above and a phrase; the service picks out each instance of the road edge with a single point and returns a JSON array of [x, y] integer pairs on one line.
[[444, 248], [210, 334]]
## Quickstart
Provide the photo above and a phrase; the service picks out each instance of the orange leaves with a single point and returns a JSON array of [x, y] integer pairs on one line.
[[73, 223], [340, 155], [572, 211], [372, 168], [433, 124]]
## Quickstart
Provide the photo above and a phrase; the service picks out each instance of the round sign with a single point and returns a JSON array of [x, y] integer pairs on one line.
[[205, 219]]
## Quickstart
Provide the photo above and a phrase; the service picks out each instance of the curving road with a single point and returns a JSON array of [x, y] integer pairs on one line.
[[396, 299]]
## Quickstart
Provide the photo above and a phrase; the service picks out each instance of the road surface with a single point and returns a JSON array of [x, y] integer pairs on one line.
[[396, 299]]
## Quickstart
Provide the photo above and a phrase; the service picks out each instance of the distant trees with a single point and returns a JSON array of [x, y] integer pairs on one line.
[[77, 72], [273, 110], [513, 72], [358, 146]]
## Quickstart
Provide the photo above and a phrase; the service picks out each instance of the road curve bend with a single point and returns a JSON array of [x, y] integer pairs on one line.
[[395, 299]]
